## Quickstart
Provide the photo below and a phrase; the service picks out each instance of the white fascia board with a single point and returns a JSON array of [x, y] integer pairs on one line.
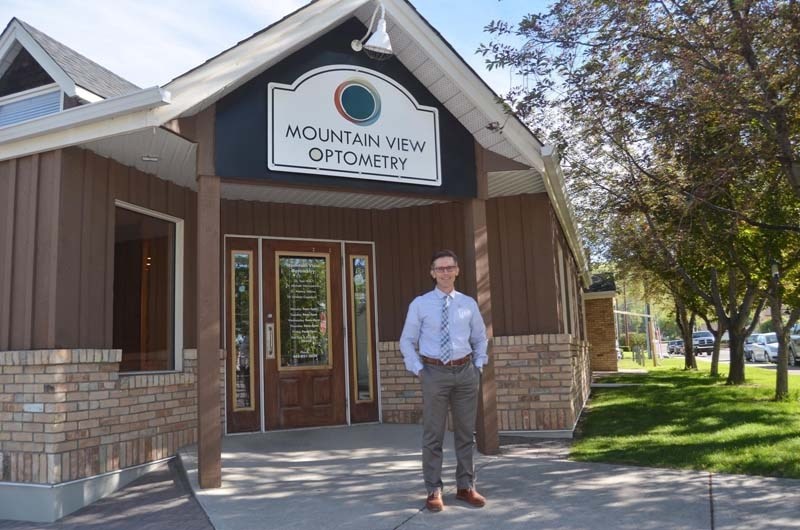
[[599, 295], [105, 118], [554, 182], [470, 84], [87, 95], [21, 35], [209, 82]]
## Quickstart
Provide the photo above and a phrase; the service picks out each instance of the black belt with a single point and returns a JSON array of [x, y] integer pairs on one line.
[[455, 362]]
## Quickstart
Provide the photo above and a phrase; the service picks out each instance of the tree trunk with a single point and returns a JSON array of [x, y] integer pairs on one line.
[[718, 333], [775, 299], [739, 329], [736, 344], [686, 325]]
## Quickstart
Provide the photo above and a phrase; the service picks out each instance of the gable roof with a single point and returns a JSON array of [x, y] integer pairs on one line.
[[418, 46], [71, 65]]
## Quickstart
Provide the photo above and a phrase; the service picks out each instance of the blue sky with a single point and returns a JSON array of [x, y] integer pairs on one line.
[[150, 42]]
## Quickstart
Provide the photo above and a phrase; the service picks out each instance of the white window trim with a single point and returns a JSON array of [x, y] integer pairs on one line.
[[562, 287], [178, 302], [30, 93]]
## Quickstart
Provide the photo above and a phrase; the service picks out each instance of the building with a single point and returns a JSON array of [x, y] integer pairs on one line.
[[234, 251]]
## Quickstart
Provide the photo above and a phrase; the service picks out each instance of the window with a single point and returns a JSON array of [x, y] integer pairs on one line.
[[361, 324], [147, 261]]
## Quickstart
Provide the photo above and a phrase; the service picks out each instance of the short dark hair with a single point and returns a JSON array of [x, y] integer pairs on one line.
[[444, 253]]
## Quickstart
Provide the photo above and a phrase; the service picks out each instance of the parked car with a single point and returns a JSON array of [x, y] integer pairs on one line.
[[769, 346], [702, 342], [748, 347], [765, 347], [675, 347], [794, 346]]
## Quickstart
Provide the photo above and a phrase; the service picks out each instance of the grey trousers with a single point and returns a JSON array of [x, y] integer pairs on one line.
[[456, 387]]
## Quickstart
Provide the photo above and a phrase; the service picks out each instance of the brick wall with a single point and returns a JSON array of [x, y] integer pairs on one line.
[[601, 333], [542, 382], [401, 393], [69, 414]]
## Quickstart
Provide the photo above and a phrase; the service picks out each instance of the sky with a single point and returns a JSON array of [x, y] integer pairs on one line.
[[150, 42]]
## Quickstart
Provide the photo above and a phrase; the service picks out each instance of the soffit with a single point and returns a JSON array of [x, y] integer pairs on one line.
[[331, 198], [169, 156], [507, 183]]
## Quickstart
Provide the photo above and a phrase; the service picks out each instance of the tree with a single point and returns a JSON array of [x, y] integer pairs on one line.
[[675, 119]]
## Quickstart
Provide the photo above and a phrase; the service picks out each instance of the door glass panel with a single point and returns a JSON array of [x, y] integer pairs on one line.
[[304, 299], [242, 326], [361, 327]]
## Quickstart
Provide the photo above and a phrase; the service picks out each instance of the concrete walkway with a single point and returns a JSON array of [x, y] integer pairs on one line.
[[369, 477], [159, 500]]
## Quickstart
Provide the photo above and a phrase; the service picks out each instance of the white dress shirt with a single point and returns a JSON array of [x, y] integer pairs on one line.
[[422, 330]]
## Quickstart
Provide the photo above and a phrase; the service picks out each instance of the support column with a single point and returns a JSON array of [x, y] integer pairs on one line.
[[476, 261], [209, 435]]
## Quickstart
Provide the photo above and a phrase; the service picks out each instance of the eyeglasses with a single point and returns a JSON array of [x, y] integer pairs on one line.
[[449, 268]]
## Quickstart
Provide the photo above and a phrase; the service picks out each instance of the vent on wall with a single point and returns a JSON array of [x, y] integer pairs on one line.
[[18, 108]]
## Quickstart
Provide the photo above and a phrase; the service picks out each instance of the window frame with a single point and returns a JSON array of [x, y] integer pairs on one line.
[[177, 288]]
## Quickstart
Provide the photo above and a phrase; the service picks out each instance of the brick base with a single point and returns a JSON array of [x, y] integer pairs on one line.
[[69, 414], [542, 383]]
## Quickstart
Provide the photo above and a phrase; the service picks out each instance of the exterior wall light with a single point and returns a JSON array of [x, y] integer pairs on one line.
[[378, 47]]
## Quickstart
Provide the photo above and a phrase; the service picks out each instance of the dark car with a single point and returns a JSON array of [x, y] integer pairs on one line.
[[675, 347]]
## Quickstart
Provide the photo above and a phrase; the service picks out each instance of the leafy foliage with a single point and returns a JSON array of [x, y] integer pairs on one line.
[[679, 124]]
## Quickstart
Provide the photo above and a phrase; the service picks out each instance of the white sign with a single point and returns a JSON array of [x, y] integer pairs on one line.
[[349, 121]]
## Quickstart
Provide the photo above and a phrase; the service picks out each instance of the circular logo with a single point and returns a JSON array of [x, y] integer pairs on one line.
[[358, 102]]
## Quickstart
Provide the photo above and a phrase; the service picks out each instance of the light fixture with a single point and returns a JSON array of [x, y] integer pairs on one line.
[[378, 47], [149, 158], [775, 270]]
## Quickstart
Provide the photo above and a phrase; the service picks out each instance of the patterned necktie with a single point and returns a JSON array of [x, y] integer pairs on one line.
[[446, 344]]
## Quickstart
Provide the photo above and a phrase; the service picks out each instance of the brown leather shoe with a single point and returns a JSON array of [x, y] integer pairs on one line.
[[434, 502], [471, 497]]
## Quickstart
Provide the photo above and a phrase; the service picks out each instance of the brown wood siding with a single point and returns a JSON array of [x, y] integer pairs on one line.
[[89, 186], [404, 240], [523, 265], [29, 191]]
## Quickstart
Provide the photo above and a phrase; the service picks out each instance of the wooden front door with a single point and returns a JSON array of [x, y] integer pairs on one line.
[[304, 365]]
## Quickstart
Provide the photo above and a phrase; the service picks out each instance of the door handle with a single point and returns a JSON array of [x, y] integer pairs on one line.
[[269, 333]]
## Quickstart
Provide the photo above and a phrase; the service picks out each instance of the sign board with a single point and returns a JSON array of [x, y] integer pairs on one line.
[[350, 121]]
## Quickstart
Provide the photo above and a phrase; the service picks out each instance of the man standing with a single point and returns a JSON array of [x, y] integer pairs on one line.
[[444, 344]]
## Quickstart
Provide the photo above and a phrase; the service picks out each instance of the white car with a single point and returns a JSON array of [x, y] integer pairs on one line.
[[766, 347], [768, 344], [760, 347], [748, 347]]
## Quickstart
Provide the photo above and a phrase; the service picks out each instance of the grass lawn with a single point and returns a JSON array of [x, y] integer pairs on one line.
[[689, 420]]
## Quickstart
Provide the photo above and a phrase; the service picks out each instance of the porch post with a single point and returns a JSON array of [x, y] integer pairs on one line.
[[209, 433], [477, 264]]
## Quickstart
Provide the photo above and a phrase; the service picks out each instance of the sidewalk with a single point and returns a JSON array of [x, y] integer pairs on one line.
[[159, 500], [369, 477]]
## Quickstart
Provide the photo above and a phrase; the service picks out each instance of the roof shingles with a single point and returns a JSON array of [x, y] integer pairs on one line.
[[84, 72]]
